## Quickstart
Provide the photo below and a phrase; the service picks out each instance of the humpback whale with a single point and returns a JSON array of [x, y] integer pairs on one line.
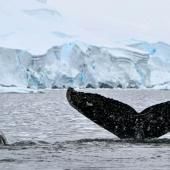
[[121, 119], [3, 140]]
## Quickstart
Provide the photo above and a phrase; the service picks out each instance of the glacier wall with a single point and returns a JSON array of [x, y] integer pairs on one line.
[[13, 67], [159, 63], [81, 65]]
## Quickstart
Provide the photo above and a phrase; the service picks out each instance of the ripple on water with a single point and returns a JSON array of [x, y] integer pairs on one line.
[[45, 133]]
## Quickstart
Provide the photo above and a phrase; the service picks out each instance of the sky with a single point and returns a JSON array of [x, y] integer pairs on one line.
[[119, 19]]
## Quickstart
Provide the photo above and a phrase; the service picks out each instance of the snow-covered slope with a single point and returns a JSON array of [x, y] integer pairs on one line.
[[32, 25]]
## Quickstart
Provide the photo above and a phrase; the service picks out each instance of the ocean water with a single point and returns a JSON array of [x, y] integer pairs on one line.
[[45, 133]]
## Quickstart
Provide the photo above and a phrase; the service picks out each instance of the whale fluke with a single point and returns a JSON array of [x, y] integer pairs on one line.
[[120, 118]]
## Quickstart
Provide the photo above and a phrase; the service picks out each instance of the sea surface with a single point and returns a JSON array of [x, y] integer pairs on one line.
[[45, 133]]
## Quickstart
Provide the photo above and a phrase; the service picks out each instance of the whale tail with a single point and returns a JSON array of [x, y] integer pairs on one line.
[[120, 118], [114, 116]]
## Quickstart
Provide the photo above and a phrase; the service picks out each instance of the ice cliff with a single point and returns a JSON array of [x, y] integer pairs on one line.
[[140, 65]]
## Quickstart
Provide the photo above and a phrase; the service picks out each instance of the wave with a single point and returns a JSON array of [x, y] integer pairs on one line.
[[44, 144]]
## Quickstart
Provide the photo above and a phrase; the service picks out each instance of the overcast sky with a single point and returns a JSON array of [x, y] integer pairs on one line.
[[120, 19]]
